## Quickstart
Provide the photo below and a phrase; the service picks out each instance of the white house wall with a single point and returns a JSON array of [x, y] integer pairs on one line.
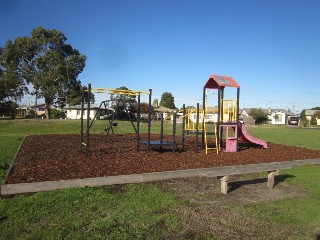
[[209, 117], [281, 119], [76, 114]]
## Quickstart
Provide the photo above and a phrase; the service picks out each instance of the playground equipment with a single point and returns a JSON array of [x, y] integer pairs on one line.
[[224, 119], [85, 142], [191, 116], [227, 117], [222, 122], [108, 114]]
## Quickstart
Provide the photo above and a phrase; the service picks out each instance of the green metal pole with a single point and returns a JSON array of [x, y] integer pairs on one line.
[[81, 121], [88, 118], [149, 120]]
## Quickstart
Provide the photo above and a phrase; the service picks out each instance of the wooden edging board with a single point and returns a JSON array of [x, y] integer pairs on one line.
[[8, 189]]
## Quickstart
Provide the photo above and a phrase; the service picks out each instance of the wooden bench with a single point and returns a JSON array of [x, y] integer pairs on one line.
[[270, 182], [271, 168]]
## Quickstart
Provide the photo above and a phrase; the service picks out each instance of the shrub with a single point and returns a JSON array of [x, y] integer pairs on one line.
[[259, 116], [56, 114]]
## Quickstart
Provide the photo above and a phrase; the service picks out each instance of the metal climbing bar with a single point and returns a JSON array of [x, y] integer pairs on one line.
[[106, 91]]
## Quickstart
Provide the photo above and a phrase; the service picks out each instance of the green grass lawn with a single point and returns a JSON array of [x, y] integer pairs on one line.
[[294, 136], [142, 211]]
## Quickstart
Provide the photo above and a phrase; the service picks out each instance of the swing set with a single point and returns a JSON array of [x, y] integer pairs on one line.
[[85, 140]]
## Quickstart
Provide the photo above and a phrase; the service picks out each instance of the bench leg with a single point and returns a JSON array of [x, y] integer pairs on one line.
[[271, 175], [224, 184]]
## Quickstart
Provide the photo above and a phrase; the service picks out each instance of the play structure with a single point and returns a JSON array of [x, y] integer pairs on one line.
[[222, 122], [219, 126], [227, 117], [110, 113]]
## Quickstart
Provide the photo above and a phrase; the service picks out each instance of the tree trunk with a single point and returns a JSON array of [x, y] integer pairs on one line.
[[13, 110], [47, 110]]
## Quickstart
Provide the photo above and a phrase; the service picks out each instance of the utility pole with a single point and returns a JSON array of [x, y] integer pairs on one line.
[[35, 105]]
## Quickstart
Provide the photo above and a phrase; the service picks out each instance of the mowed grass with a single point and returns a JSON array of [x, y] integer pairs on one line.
[[143, 211], [129, 212], [293, 136]]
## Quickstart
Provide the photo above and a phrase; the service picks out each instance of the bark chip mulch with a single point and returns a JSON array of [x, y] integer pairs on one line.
[[57, 157]]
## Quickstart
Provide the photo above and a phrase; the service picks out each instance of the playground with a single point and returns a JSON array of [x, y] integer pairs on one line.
[[59, 159], [223, 142]]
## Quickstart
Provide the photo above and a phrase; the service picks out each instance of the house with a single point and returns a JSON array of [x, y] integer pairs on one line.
[[211, 115], [23, 110], [167, 112], [276, 116], [310, 113], [74, 112]]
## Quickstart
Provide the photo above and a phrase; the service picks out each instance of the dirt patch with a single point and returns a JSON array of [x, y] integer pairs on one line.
[[211, 213], [244, 189], [57, 157]]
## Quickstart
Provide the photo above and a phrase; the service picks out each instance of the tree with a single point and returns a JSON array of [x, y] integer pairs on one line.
[[155, 102], [121, 101], [315, 117], [144, 108], [50, 64], [167, 100], [303, 119], [259, 115], [75, 97], [12, 84]]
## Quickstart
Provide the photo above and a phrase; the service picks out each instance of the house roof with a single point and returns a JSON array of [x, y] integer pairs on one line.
[[311, 112], [40, 105], [212, 109], [78, 107], [268, 110], [248, 110], [164, 109], [279, 110], [216, 81]]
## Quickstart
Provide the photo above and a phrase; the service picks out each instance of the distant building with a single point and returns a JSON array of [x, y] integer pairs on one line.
[[276, 116], [74, 112], [310, 113], [23, 110]]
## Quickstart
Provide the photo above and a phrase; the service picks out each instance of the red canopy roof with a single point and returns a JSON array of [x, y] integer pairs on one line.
[[215, 81]]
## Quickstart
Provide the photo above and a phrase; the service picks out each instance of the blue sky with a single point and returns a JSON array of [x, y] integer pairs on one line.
[[270, 47]]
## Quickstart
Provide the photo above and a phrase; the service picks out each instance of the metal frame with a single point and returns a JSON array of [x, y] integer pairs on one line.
[[137, 93]]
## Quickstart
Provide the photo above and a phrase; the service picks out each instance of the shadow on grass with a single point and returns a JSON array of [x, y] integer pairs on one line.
[[238, 184]]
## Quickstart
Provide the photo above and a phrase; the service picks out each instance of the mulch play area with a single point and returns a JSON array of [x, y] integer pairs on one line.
[[57, 157]]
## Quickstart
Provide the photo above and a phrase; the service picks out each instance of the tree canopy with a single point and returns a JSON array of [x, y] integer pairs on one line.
[[259, 115], [167, 100], [45, 61], [315, 117], [121, 101], [12, 84]]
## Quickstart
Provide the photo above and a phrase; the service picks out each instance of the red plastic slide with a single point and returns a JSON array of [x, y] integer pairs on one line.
[[245, 136]]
